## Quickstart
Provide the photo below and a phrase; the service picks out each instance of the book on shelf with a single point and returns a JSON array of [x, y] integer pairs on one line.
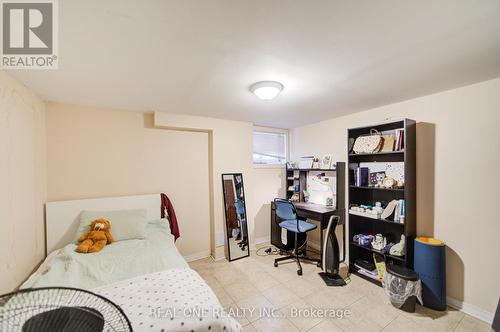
[[373, 272], [399, 211], [402, 211], [361, 176], [369, 274], [380, 265], [399, 144]]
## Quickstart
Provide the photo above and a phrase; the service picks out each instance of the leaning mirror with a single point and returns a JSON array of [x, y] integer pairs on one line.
[[236, 216]]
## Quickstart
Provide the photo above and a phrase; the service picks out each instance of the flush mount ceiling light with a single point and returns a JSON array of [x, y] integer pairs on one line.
[[266, 90]]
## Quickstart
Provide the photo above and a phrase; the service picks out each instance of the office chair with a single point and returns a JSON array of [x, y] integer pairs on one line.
[[242, 218], [285, 210]]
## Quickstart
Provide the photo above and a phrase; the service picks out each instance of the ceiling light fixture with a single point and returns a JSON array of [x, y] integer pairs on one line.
[[266, 90]]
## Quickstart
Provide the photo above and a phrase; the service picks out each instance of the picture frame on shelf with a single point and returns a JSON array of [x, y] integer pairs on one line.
[[326, 161], [376, 179], [316, 164]]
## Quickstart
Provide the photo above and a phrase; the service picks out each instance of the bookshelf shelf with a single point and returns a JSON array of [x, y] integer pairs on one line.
[[402, 259], [376, 153], [366, 219], [359, 224], [375, 188]]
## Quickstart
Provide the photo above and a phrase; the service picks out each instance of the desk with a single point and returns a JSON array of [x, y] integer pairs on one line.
[[315, 212], [312, 211], [321, 213]]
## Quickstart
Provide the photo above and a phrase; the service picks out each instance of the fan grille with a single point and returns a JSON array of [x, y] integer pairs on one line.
[[60, 309]]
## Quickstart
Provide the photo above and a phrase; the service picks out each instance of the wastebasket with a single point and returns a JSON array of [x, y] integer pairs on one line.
[[430, 264], [403, 287]]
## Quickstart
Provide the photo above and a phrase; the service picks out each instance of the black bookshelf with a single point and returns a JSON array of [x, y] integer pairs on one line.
[[369, 195]]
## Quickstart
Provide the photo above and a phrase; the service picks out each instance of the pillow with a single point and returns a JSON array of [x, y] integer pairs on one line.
[[125, 224]]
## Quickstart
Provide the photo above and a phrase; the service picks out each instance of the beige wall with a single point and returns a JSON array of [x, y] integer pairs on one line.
[[97, 153], [458, 187], [232, 151], [22, 182], [268, 184]]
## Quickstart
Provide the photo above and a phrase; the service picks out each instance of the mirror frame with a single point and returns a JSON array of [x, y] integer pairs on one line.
[[228, 246]]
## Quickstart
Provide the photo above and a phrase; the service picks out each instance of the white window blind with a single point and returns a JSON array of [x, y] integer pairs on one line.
[[269, 148]]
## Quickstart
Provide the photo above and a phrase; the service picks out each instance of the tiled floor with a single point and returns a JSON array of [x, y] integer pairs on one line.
[[254, 282]]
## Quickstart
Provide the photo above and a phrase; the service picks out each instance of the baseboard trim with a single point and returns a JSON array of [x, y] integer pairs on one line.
[[220, 253], [218, 259], [471, 309], [197, 255], [314, 245], [259, 240]]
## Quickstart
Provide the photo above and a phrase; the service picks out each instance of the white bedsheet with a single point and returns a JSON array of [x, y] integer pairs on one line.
[[118, 261], [173, 300]]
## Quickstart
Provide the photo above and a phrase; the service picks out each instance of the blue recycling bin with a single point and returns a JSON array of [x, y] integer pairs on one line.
[[430, 265]]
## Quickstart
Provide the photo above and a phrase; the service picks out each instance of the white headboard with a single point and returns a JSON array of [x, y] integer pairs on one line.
[[62, 217]]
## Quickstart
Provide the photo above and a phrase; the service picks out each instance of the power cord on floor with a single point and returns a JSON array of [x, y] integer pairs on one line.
[[271, 250], [268, 250]]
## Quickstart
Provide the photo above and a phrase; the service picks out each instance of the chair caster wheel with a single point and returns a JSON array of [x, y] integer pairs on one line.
[[275, 264], [318, 264], [299, 272]]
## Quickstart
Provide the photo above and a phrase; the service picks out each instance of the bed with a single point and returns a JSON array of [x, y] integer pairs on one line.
[[148, 278]]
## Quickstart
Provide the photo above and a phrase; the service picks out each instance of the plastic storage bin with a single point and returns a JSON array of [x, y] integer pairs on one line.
[[403, 287], [430, 264]]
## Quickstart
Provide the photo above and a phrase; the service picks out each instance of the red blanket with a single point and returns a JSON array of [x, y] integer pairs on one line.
[[172, 219]]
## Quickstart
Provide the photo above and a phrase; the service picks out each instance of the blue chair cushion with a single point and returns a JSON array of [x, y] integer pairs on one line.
[[291, 225]]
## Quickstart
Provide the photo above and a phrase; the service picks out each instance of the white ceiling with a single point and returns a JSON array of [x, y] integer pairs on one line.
[[334, 57]]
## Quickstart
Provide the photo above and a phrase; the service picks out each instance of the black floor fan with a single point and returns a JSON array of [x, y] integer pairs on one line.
[[60, 309], [331, 256]]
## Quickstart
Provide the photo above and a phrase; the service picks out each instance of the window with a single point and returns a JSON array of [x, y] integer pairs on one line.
[[269, 146]]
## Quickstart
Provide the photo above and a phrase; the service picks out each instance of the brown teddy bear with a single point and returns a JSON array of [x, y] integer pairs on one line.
[[96, 238]]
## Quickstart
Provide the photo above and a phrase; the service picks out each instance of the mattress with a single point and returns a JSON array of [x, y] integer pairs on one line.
[[172, 300], [117, 261], [148, 279]]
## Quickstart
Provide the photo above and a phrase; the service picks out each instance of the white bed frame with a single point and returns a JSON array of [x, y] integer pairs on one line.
[[62, 217]]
